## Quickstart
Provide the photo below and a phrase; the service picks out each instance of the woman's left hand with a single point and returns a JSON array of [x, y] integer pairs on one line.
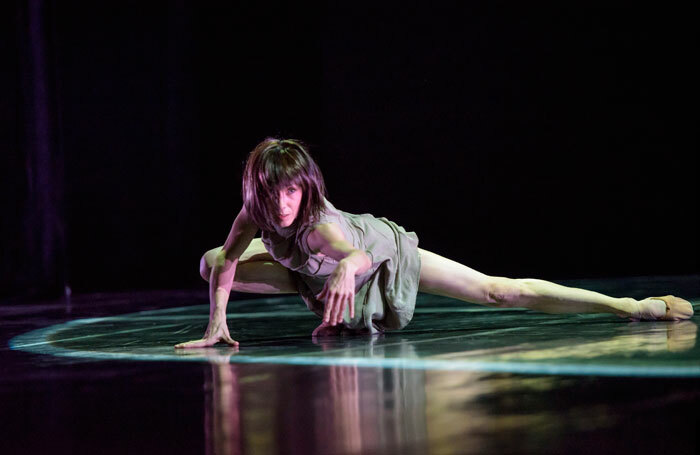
[[338, 291]]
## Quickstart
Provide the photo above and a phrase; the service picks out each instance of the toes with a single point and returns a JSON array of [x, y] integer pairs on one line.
[[678, 308], [684, 310]]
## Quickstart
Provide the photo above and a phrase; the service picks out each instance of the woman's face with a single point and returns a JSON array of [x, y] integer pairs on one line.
[[289, 202]]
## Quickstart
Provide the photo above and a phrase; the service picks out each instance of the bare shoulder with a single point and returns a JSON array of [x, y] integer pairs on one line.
[[241, 234], [244, 219], [243, 213]]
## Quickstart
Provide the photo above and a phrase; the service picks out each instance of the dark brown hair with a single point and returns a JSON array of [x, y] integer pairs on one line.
[[276, 163]]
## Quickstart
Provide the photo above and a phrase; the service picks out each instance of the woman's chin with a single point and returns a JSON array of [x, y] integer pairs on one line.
[[284, 224]]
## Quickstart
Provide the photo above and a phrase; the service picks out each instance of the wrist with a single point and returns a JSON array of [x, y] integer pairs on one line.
[[349, 265], [218, 312]]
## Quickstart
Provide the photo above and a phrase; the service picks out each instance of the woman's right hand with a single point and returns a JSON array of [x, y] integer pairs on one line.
[[217, 330]]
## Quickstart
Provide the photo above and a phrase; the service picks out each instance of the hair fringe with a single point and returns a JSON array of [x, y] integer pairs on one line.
[[275, 162]]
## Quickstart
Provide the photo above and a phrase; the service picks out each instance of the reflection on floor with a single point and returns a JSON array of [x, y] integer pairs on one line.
[[452, 382]]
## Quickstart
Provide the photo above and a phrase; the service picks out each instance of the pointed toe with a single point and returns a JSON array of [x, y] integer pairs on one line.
[[676, 308]]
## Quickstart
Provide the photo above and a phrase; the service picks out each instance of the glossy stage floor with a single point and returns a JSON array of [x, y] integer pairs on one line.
[[99, 374]]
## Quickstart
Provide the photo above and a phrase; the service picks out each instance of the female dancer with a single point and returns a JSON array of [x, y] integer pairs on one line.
[[356, 271]]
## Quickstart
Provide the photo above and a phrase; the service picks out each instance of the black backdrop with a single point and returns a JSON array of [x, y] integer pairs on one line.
[[550, 143]]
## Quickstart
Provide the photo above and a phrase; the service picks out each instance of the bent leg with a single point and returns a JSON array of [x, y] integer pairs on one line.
[[442, 276], [256, 272], [255, 252], [263, 277]]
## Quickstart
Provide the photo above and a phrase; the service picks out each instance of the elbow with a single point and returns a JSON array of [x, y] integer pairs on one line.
[[223, 269], [220, 259]]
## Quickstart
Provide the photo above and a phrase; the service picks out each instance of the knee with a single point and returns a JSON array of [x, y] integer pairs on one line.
[[204, 269], [207, 262], [507, 292]]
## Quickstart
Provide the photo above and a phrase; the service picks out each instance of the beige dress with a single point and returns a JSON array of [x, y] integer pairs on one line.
[[385, 295]]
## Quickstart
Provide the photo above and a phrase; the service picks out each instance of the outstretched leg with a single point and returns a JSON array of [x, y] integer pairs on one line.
[[442, 276]]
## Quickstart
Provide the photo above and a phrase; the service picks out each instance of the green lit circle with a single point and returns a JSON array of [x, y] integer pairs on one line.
[[444, 335]]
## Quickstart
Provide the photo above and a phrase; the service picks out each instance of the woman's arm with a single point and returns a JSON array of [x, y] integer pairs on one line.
[[224, 269], [339, 289]]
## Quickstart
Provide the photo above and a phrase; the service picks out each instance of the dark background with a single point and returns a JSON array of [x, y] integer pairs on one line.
[[548, 143]]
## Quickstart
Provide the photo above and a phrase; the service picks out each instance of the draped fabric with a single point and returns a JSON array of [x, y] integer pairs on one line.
[[385, 295]]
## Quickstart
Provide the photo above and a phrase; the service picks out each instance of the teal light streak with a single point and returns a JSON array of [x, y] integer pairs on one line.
[[38, 341]]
